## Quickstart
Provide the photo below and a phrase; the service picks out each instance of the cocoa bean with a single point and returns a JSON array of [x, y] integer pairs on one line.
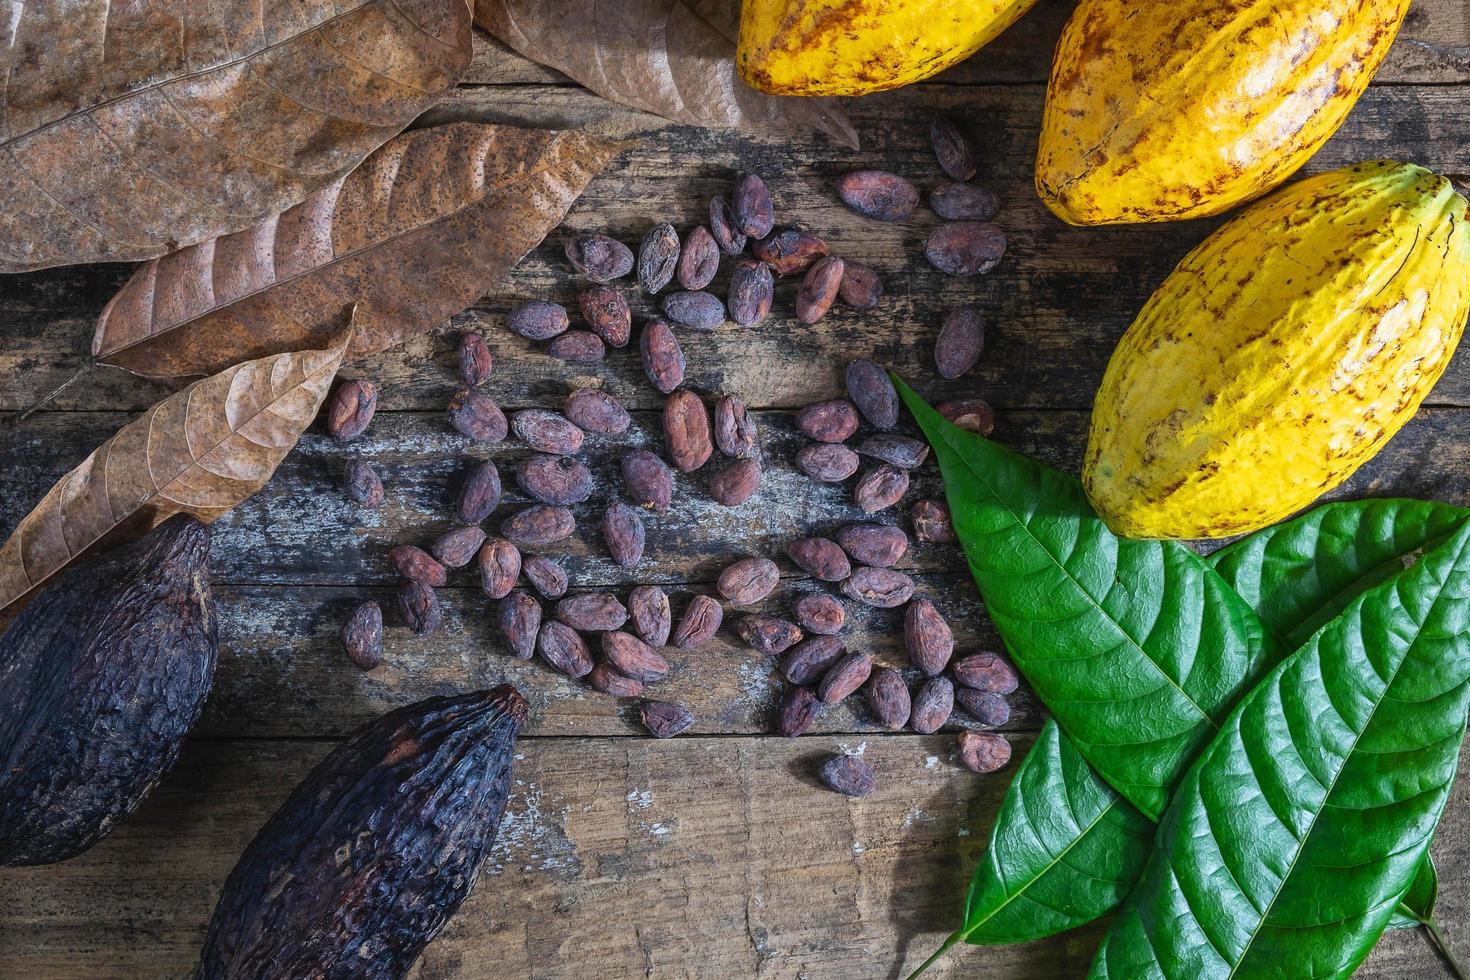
[[699, 260], [554, 479], [878, 194], [902, 451], [882, 588], [799, 710], [648, 609], [500, 565], [878, 545], [538, 320], [965, 248], [362, 483], [599, 258], [748, 580], [789, 252], [475, 414], [686, 431], [351, 409], [829, 421], [820, 558], [849, 776], [750, 206], [633, 658], [578, 347], [961, 339], [768, 634], [932, 523], [596, 411], [820, 614], [818, 289], [648, 480], [736, 483], [730, 239], [933, 704], [751, 291], [607, 679], [539, 526], [519, 619], [362, 636], [888, 698], [827, 462], [419, 606], [881, 487], [475, 359], [417, 565], [873, 393], [861, 288], [928, 638], [952, 149], [607, 313], [657, 257], [963, 202], [622, 529], [844, 677], [970, 414], [696, 310], [548, 578], [734, 428], [479, 495], [457, 548], [699, 624], [563, 649], [547, 432], [984, 707], [806, 662], [982, 752], [665, 719], [663, 358], [986, 672], [592, 611]]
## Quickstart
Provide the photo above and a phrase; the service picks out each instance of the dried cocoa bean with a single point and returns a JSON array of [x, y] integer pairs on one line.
[[984, 707], [519, 618], [751, 292], [818, 290], [547, 432], [768, 634], [538, 320], [881, 487], [861, 288], [351, 409], [982, 752], [417, 565], [607, 313], [878, 194], [548, 578], [457, 548], [963, 202], [633, 658], [750, 206], [699, 260], [928, 638], [986, 672], [829, 421], [554, 479], [971, 414], [810, 659], [882, 588], [596, 411], [844, 677], [961, 339], [888, 698], [933, 704], [699, 624], [789, 252], [748, 580], [648, 609], [965, 248], [475, 414], [820, 558], [873, 393], [849, 776], [362, 636], [622, 529], [686, 431], [736, 483], [820, 614], [592, 611], [599, 258], [648, 480], [563, 649], [539, 526], [480, 494], [500, 565], [827, 462], [932, 523], [799, 710], [658, 256], [663, 358], [578, 347], [362, 483], [665, 719], [878, 545], [901, 451], [606, 678], [475, 359], [420, 607], [952, 149], [734, 428], [730, 239], [696, 310]]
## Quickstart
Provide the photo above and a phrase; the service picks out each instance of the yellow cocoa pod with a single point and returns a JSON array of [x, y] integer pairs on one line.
[[853, 47], [1161, 110], [1281, 354]]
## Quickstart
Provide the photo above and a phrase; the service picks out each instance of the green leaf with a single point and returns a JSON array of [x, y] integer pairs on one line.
[[1138, 648], [1417, 906], [1292, 838]]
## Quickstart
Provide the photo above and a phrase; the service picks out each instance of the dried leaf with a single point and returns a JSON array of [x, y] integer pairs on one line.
[[127, 129], [201, 450], [412, 236], [674, 58]]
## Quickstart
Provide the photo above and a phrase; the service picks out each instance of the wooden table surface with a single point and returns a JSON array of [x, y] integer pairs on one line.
[[716, 854]]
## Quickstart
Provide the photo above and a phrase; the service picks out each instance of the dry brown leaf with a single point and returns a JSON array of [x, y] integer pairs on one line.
[[127, 129], [201, 450], [414, 235], [674, 58]]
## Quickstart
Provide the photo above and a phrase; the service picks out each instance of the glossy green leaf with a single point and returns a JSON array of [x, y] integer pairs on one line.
[[1417, 906], [1291, 839]]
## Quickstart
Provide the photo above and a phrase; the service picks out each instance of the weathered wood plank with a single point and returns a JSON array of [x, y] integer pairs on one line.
[[697, 858]]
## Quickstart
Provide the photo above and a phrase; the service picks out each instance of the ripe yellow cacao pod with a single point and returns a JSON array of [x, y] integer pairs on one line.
[[1161, 110], [853, 47], [1281, 354]]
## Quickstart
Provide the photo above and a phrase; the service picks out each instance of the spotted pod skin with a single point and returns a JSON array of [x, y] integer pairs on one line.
[[1162, 111], [101, 677], [375, 850], [1281, 354]]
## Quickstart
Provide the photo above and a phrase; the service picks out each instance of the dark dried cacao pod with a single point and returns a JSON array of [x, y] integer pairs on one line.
[[607, 313], [818, 290], [961, 339], [748, 580], [750, 206], [547, 432], [829, 421], [820, 614], [564, 649], [932, 522], [687, 431], [633, 658], [622, 529], [882, 588], [696, 310], [351, 408], [986, 672], [648, 609], [554, 479], [928, 638], [844, 677], [933, 704], [827, 462], [475, 359], [609, 680], [480, 494], [873, 393], [380, 844], [878, 545], [769, 634], [362, 635], [789, 252], [538, 320], [730, 239], [751, 292], [888, 698], [970, 414], [419, 605], [475, 414], [806, 662], [457, 548], [878, 194], [982, 752], [700, 259], [861, 287], [665, 719], [984, 707], [736, 483], [417, 565], [963, 202], [592, 612], [599, 258], [880, 488], [952, 149], [596, 411], [519, 618], [657, 257], [663, 358], [699, 624], [902, 451], [648, 480], [578, 347], [101, 677], [362, 483], [500, 566], [849, 775], [965, 248], [820, 558], [800, 708], [549, 578], [539, 526]]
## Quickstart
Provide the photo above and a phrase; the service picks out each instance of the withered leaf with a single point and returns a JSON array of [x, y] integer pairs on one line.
[[201, 450], [128, 129], [412, 236], [674, 58]]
